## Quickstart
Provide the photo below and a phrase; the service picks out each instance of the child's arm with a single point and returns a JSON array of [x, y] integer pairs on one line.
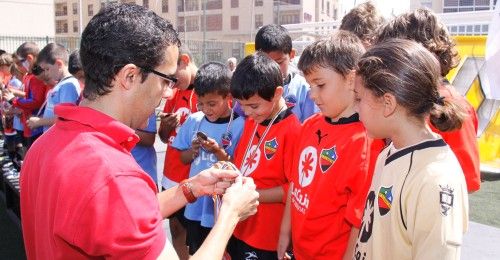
[[271, 195], [213, 147], [286, 228], [188, 155], [349, 252]]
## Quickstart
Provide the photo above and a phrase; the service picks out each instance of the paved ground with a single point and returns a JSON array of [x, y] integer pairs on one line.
[[481, 242]]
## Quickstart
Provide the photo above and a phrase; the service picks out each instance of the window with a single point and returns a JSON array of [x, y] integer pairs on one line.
[[214, 22], [259, 2], [328, 8], [307, 17], [128, 1], [187, 5], [90, 11], [188, 24], [235, 3], [61, 9], [164, 6], [235, 22], [61, 26], [75, 26], [213, 4], [259, 21], [290, 18], [145, 3], [75, 8]]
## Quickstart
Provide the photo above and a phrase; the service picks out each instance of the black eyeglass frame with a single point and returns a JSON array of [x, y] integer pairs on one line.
[[161, 75]]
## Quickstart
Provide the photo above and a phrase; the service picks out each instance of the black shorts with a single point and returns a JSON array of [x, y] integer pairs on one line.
[[179, 215], [195, 235], [241, 250]]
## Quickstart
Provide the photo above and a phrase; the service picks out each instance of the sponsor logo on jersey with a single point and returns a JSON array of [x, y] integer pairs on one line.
[[290, 100], [327, 158], [270, 148], [384, 200], [307, 165]]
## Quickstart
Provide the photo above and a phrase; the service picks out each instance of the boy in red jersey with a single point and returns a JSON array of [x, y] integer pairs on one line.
[[334, 158], [269, 133], [176, 111], [433, 35]]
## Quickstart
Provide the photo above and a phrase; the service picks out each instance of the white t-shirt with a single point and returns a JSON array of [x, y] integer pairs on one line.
[[417, 205]]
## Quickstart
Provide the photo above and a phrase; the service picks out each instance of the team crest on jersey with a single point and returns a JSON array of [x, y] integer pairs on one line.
[[270, 148], [226, 140], [446, 199], [327, 158], [290, 100], [184, 112], [307, 165], [251, 161], [384, 200]]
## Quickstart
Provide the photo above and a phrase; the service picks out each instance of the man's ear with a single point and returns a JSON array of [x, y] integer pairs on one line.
[[127, 75], [184, 59], [389, 104], [292, 54]]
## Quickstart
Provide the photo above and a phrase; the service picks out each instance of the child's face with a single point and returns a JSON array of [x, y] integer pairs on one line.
[[214, 106], [282, 59], [370, 109], [52, 71], [332, 92], [183, 74], [258, 108]]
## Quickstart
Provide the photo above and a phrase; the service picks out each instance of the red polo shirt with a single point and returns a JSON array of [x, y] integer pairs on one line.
[[84, 196]]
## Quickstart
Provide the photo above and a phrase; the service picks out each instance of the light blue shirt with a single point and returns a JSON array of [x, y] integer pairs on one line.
[[203, 209], [145, 156], [66, 91], [17, 84]]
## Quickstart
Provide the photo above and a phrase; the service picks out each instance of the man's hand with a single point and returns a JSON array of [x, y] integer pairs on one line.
[[212, 181], [241, 198], [33, 122]]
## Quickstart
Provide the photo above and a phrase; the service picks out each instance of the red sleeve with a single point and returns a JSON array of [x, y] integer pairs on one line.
[[364, 154], [121, 224], [463, 142], [36, 92]]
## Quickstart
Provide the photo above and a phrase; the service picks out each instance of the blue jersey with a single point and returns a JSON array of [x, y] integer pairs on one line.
[[145, 156], [203, 209], [66, 91], [296, 95]]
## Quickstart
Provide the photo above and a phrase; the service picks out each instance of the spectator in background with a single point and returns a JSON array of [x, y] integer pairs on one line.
[[35, 89], [231, 63], [364, 21], [53, 60]]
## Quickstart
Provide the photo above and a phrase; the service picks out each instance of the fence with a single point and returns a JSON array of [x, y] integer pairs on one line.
[[202, 51]]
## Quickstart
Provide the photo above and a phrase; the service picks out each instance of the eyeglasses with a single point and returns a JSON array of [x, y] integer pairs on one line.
[[170, 80]]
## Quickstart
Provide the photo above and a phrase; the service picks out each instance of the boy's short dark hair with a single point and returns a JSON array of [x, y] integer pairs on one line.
[[364, 21], [256, 74], [341, 53], [27, 48], [212, 77], [74, 63], [53, 51], [118, 35], [273, 37]]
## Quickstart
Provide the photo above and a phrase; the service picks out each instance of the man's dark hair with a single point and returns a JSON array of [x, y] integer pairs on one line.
[[53, 51], [27, 48], [118, 35], [212, 77], [74, 63], [256, 74], [273, 37]]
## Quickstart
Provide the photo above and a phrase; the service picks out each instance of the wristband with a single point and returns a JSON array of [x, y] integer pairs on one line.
[[11, 101], [187, 190]]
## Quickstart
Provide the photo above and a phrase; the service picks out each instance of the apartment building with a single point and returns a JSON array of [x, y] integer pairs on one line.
[[221, 20], [463, 17]]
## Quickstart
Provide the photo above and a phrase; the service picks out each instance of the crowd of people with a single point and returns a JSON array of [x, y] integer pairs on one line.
[[365, 151]]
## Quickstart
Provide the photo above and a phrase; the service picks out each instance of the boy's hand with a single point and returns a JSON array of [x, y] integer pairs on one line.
[[283, 244], [170, 120], [33, 122], [195, 147], [7, 95], [210, 145]]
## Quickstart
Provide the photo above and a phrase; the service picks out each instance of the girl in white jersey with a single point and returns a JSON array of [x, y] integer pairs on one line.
[[417, 205]]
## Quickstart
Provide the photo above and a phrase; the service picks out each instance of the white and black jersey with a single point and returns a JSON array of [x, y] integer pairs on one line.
[[417, 205]]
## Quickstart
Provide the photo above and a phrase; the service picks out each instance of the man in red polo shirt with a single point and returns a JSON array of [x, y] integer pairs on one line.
[[83, 195]]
